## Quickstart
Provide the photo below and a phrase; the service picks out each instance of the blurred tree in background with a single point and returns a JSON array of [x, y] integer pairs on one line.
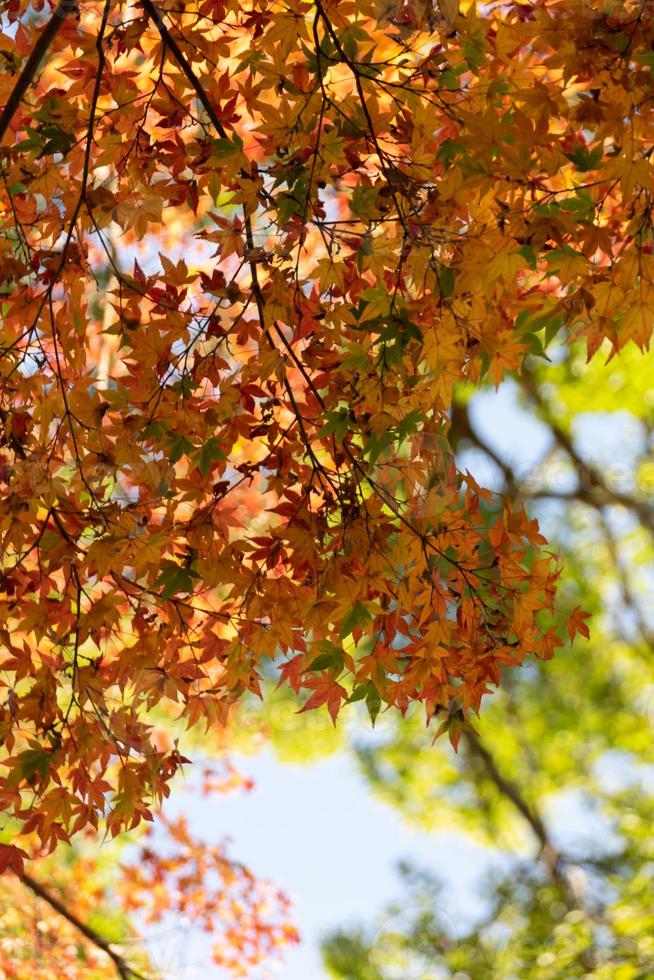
[[558, 780]]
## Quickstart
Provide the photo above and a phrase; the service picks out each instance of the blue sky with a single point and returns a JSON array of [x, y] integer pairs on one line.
[[317, 830]]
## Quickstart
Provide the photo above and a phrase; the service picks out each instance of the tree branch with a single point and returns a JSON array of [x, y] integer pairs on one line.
[[30, 68], [550, 854], [592, 488], [179, 56], [461, 428], [122, 968]]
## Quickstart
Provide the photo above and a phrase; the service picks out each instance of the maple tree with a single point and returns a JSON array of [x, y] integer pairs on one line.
[[248, 252]]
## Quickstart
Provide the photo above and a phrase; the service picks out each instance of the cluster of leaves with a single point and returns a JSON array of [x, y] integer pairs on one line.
[[96, 914], [237, 452], [196, 883], [558, 781]]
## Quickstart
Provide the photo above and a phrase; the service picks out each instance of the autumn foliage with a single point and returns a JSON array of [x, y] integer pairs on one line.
[[181, 888], [248, 251]]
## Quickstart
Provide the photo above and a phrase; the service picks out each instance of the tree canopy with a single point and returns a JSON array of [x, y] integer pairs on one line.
[[251, 255]]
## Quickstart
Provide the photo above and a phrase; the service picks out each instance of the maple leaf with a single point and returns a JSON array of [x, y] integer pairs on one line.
[[325, 691], [577, 623], [12, 858]]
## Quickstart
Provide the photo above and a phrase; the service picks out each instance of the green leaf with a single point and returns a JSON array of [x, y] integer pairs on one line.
[[224, 149], [528, 254], [581, 204], [449, 150], [358, 694], [174, 579], [336, 423], [33, 142], [28, 765], [445, 278], [50, 539], [585, 159], [287, 206], [376, 445], [373, 703], [349, 38], [364, 250], [57, 140], [473, 52], [363, 201], [178, 446], [331, 656], [209, 454], [357, 618], [618, 42]]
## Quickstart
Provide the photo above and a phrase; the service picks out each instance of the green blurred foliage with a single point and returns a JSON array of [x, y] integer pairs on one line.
[[559, 778]]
